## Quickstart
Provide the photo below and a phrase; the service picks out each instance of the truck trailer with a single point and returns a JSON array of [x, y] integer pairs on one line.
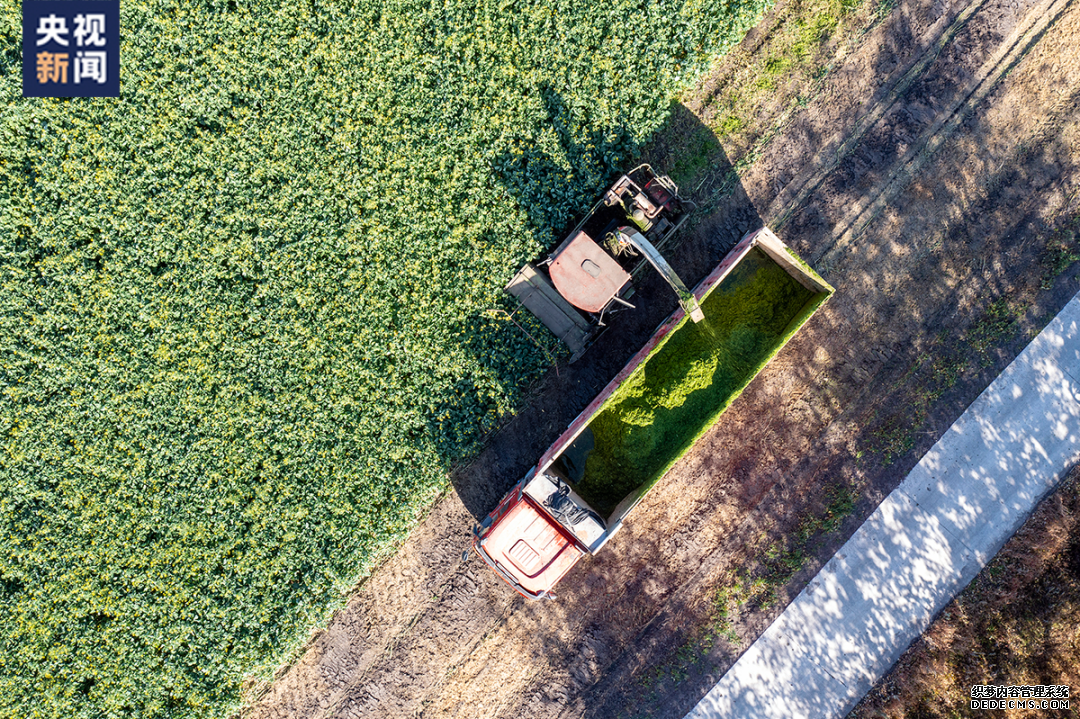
[[577, 496]]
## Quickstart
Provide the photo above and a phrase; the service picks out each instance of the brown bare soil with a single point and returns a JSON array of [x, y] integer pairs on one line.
[[1015, 625], [926, 159]]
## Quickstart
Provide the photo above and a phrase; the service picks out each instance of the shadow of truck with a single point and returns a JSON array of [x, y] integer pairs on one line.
[[654, 410]]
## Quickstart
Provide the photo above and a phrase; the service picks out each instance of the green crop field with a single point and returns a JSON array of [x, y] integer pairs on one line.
[[692, 377], [245, 316]]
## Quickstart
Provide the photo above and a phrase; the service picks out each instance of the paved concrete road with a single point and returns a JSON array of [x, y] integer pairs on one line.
[[927, 540]]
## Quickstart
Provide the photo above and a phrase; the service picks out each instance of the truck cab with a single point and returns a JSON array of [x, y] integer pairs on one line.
[[537, 533]]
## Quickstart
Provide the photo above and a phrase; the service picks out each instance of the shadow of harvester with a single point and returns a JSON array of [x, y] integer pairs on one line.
[[555, 187]]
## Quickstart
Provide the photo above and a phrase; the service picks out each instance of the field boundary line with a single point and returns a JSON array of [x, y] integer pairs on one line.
[[346, 691]]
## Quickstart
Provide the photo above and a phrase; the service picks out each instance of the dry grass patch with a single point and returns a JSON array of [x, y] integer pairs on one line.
[[759, 85]]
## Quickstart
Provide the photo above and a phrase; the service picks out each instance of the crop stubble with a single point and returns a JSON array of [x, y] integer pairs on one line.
[[963, 226]]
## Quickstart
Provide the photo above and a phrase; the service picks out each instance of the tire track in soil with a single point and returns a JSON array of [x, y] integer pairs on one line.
[[655, 640], [913, 119], [795, 193], [1018, 44], [428, 635], [439, 636], [859, 371]]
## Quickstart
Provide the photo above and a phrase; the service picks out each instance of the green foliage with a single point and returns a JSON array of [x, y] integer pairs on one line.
[[993, 327], [243, 316], [687, 382], [696, 153], [731, 124], [1062, 251], [814, 31]]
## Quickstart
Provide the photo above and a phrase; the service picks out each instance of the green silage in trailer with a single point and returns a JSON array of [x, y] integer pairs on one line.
[[655, 416], [246, 309]]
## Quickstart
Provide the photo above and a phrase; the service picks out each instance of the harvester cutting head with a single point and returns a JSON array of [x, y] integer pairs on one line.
[[583, 281]]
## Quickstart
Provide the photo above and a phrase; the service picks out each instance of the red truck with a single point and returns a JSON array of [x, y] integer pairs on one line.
[[669, 394]]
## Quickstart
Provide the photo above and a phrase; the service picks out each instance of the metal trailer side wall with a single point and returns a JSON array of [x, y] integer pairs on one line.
[[767, 242]]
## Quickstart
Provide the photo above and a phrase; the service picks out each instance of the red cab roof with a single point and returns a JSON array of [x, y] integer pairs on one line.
[[531, 547]]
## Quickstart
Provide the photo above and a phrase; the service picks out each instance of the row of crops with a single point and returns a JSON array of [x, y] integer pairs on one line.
[[244, 309]]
